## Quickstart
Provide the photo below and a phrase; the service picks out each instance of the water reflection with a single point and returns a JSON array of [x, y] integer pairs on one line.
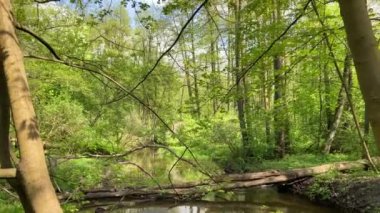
[[261, 200]]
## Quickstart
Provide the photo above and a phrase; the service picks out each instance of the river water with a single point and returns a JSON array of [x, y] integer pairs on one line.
[[261, 200]]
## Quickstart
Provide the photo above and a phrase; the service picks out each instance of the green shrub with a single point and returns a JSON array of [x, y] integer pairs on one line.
[[77, 174]]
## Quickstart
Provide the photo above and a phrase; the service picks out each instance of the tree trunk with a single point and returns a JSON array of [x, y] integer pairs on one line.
[[281, 128], [327, 97], [366, 124], [281, 119], [32, 170], [187, 77], [229, 64], [339, 108], [239, 89], [366, 55], [195, 76], [267, 104]]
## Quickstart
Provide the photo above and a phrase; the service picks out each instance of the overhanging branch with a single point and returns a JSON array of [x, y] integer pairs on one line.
[[171, 46], [40, 39]]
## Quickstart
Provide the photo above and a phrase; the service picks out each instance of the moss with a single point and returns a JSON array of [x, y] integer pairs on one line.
[[355, 191], [319, 191], [320, 188]]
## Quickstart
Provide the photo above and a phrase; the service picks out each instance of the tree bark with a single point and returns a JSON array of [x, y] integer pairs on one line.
[[239, 87], [281, 119], [366, 56], [327, 96], [195, 76], [281, 127], [32, 170], [187, 77], [339, 108]]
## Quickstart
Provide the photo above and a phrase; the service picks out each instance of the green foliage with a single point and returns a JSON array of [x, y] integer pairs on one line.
[[219, 135], [79, 174], [81, 112], [321, 188], [9, 204], [70, 208], [301, 161]]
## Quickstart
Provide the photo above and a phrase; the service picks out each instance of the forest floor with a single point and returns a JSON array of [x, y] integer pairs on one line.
[[357, 191]]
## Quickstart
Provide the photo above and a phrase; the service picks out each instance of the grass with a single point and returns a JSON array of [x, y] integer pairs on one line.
[[300, 161], [8, 203]]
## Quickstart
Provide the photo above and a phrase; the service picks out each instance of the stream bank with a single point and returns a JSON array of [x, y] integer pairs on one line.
[[351, 192]]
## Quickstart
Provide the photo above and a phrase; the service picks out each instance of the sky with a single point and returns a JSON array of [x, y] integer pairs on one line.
[[375, 4]]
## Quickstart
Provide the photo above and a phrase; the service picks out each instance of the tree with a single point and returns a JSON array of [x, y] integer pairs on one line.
[[339, 108], [36, 191], [281, 120], [240, 102], [366, 56]]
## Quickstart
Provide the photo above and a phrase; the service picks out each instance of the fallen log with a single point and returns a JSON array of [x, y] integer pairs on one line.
[[225, 182]]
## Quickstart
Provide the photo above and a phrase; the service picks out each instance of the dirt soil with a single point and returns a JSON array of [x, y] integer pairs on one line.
[[351, 195]]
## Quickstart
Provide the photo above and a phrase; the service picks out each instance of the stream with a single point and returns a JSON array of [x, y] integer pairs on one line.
[[261, 200]]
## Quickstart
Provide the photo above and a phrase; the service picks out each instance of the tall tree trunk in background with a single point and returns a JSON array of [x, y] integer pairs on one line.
[[366, 57], [348, 121], [267, 106], [230, 60], [32, 170], [248, 103], [213, 74], [239, 88], [281, 127], [281, 119], [342, 98], [327, 97], [195, 76], [187, 77]]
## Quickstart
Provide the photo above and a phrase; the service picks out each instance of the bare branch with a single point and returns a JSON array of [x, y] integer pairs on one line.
[[171, 46], [122, 88], [144, 171], [40, 39], [261, 56]]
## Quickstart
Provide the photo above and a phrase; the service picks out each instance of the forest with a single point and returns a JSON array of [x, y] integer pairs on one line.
[[121, 105]]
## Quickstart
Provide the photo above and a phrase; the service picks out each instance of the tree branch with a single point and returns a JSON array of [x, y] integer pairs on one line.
[[252, 64], [34, 35], [122, 88], [144, 171], [171, 46]]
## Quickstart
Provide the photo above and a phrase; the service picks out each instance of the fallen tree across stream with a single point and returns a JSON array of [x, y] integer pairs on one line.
[[186, 191]]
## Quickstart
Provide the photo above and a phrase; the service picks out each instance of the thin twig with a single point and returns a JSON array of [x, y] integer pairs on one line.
[[9, 192], [106, 76], [144, 171], [171, 46], [252, 64]]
